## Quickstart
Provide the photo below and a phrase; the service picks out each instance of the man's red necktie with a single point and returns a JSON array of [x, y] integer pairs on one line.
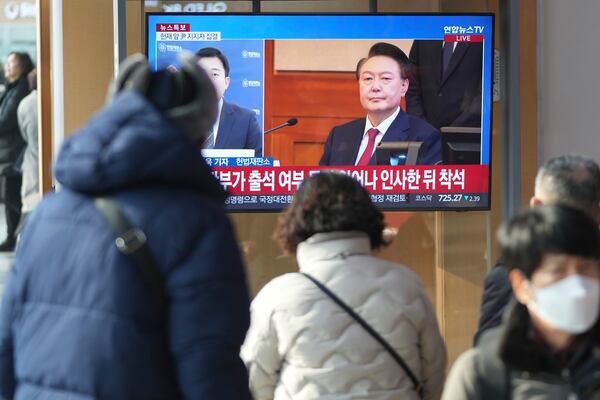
[[366, 155]]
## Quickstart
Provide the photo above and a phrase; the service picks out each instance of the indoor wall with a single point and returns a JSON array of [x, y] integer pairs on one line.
[[451, 251], [569, 52]]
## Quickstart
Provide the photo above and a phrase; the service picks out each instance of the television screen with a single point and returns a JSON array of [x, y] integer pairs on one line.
[[368, 95]]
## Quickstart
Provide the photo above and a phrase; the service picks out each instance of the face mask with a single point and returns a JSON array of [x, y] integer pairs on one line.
[[570, 305]]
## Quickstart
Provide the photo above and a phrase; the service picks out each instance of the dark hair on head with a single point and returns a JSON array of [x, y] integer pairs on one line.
[[208, 52], [359, 65], [572, 180], [549, 228], [395, 53], [329, 202], [24, 61], [32, 79]]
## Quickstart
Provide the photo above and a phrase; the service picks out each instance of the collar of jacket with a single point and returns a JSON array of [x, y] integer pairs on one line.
[[519, 350], [330, 246], [22, 78], [12, 86]]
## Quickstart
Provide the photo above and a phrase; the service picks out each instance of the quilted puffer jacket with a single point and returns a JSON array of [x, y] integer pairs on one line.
[[302, 345], [77, 321]]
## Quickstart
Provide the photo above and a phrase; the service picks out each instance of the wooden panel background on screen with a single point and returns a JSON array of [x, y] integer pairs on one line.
[[319, 99]]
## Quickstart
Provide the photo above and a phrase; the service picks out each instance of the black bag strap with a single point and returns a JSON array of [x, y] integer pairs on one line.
[[131, 241], [418, 386]]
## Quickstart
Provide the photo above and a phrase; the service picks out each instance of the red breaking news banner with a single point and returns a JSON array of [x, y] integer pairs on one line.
[[379, 180], [172, 27]]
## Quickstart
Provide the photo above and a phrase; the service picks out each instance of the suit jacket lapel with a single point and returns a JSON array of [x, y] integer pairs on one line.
[[397, 132], [459, 53], [225, 126], [356, 139], [436, 61]]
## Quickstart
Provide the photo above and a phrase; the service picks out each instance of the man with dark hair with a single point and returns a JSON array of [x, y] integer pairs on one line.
[[383, 81], [236, 127], [570, 179], [154, 309], [547, 347]]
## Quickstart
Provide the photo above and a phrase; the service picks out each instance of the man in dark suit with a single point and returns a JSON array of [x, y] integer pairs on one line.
[[383, 81], [236, 127], [445, 88]]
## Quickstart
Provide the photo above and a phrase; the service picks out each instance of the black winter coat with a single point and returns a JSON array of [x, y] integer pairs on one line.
[[11, 141]]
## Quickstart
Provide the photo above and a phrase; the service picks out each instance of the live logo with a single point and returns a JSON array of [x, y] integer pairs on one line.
[[463, 38]]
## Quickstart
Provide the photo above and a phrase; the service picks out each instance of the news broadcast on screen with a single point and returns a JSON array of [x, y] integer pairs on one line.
[[401, 102]]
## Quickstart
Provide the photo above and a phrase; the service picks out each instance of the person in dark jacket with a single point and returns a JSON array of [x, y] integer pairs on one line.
[[445, 88], [17, 66], [77, 320], [569, 179], [549, 346]]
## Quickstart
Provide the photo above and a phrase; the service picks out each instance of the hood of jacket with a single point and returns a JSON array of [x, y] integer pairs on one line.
[[330, 246], [127, 144]]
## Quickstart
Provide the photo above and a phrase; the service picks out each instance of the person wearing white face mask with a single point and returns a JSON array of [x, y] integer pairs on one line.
[[549, 345], [573, 180]]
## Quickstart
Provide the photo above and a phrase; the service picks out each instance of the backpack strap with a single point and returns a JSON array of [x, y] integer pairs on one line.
[[417, 385], [131, 241]]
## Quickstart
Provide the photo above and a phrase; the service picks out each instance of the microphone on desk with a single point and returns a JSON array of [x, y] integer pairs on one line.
[[289, 122]]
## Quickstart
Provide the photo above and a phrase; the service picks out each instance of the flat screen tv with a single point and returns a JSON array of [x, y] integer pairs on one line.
[[301, 93]]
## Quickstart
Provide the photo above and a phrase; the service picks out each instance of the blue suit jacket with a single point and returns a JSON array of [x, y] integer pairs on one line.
[[341, 147], [239, 129]]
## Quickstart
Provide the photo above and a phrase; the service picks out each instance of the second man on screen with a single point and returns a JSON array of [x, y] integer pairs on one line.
[[236, 127]]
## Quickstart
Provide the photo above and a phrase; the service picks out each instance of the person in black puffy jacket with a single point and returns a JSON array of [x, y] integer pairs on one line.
[[17, 66]]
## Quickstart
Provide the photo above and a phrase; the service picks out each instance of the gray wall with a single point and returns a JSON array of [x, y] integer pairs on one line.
[[569, 78]]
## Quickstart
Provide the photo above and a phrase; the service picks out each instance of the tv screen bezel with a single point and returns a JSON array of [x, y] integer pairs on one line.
[[484, 207]]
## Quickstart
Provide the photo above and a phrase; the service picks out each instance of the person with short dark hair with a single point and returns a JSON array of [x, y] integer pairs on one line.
[[548, 345], [569, 179], [18, 65], [236, 127], [572, 180], [81, 315], [383, 79], [301, 344]]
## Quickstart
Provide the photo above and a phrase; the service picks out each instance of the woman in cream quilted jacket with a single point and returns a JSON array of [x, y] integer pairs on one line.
[[302, 345]]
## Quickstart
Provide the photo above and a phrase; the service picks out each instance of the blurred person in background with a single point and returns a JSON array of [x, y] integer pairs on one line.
[[573, 180], [302, 345], [2, 80], [27, 114], [79, 318], [18, 66], [548, 347]]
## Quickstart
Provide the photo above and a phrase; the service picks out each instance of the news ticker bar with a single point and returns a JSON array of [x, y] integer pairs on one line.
[[397, 201]]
